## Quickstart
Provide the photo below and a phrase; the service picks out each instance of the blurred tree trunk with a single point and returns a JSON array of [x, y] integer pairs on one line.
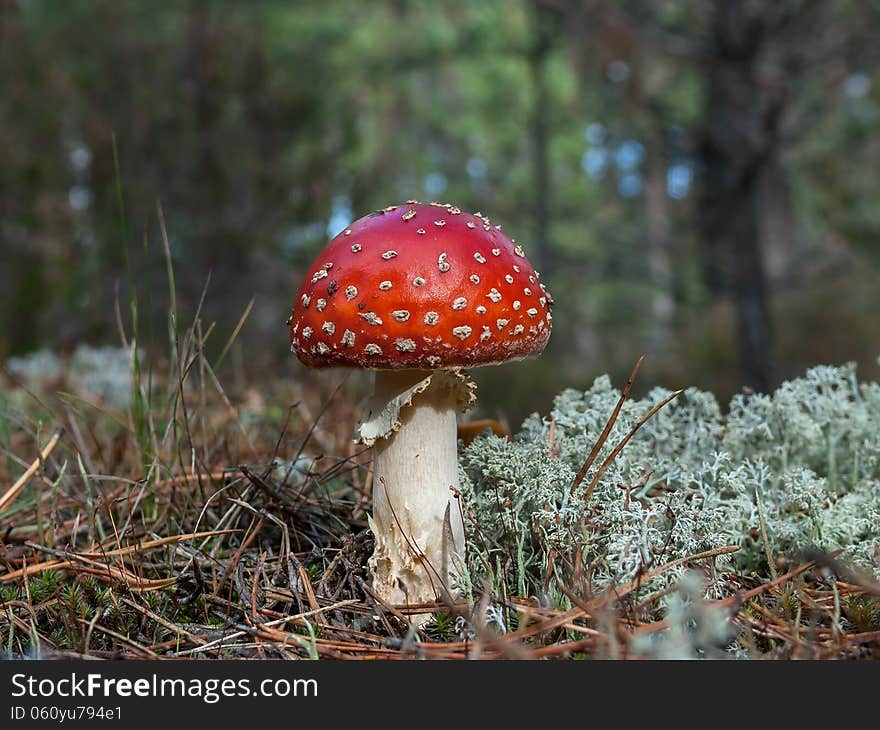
[[778, 226], [741, 130], [657, 218], [544, 20]]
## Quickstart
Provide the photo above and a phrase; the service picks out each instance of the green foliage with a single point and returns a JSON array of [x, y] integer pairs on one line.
[[441, 627], [264, 127], [687, 482], [43, 586]]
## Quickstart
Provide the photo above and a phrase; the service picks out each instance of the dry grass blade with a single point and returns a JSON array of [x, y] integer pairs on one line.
[[603, 437], [222, 356], [118, 419], [623, 442], [764, 538], [22, 481]]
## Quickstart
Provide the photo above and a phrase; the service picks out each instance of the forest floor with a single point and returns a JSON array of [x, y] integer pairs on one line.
[[201, 523]]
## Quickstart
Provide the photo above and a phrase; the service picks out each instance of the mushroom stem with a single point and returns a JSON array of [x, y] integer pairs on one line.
[[417, 519]]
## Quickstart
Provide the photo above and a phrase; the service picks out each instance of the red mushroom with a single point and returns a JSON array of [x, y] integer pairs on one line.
[[417, 293]]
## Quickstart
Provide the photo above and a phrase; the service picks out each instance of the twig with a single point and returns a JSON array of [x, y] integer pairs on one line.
[[119, 637], [221, 642], [70, 558], [193, 638]]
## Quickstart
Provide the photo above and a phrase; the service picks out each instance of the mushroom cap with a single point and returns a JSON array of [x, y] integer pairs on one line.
[[422, 286]]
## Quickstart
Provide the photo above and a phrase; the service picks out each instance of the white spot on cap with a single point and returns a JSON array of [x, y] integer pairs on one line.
[[318, 275], [307, 333], [306, 300], [442, 263], [519, 251], [531, 279], [496, 251], [518, 330], [385, 285], [516, 268], [440, 223], [543, 301], [348, 231], [479, 258], [508, 278], [501, 323], [321, 304], [459, 303], [389, 255], [408, 215], [328, 265], [322, 348], [372, 349], [370, 317], [474, 278], [532, 312], [481, 309], [328, 327], [404, 344], [350, 292], [348, 338], [431, 318], [516, 305], [494, 295], [401, 315], [462, 332], [527, 291], [485, 334], [470, 224], [355, 247], [452, 209], [433, 360], [420, 231], [418, 281]]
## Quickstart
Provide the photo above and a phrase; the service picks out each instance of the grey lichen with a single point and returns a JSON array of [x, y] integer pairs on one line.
[[688, 482]]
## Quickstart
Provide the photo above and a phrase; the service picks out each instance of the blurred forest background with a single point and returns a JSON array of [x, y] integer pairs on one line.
[[696, 179]]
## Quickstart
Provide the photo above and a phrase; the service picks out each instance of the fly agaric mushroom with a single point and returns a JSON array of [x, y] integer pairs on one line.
[[417, 293]]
